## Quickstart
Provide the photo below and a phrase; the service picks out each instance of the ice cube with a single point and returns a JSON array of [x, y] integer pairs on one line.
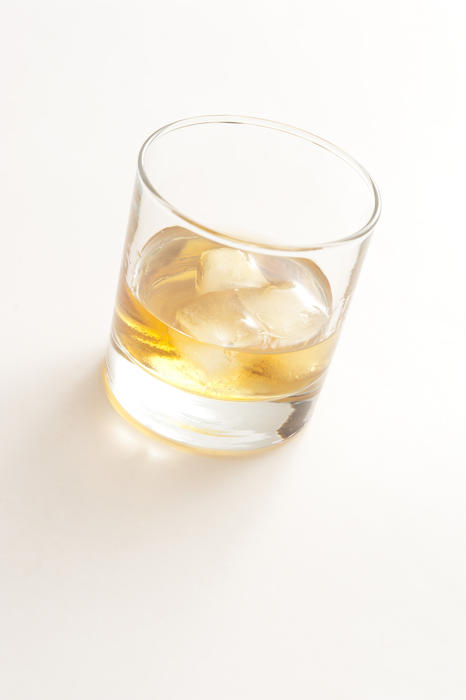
[[272, 317], [211, 360], [219, 318], [227, 268], [286, 314]]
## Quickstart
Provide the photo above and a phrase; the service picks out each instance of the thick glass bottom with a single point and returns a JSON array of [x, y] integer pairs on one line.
[[201, 422]]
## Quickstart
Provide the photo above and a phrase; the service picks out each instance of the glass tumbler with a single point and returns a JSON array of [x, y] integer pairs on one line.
[[244, 244]]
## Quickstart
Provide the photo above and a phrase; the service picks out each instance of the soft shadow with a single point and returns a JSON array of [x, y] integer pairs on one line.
[[97, 484]]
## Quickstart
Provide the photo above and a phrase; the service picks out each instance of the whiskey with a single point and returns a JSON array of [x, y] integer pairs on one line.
[[222, 323]]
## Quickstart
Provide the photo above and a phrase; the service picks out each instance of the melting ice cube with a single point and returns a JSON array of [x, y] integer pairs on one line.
[[286, 314], [270, 318], [218, 318], [227, 268], [238, 307]]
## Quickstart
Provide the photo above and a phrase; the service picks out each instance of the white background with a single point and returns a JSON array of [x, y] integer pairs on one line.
[[333, 568]]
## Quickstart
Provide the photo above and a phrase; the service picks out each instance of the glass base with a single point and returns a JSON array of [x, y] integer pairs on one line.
[[200, 422]]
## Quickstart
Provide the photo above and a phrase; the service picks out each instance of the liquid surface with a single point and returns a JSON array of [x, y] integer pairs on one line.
[[223, 323]]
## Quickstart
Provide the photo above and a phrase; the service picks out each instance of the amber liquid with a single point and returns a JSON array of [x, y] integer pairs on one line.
[[147, 331]]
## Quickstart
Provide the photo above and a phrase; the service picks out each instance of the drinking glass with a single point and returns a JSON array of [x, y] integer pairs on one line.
[[244, 244]]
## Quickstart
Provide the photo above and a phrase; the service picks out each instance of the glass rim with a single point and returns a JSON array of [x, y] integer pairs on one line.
[[361, 234]]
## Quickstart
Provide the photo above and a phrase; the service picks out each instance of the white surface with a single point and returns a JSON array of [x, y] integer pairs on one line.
[[331, 568]]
